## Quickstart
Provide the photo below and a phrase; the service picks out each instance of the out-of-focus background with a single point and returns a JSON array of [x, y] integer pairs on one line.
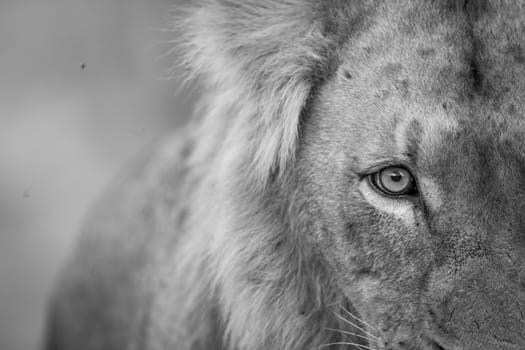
[[81, 92]]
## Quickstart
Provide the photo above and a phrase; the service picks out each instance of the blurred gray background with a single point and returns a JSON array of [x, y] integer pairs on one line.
[[81, 92]]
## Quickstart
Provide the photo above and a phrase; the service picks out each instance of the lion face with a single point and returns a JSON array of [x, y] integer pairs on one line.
[[413, 157]]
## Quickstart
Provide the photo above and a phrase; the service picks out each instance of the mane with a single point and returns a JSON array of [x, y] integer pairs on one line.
[[260, 63], [265, 60]]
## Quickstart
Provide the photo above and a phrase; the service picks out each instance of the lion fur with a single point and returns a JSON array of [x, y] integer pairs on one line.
[[238, 273]]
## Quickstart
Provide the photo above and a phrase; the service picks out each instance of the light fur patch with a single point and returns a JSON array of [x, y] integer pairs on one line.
[[432, 192], [434, 129], [399, 208], [400, 135]]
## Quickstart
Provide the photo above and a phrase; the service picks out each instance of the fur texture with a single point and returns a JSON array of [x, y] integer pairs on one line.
[[258, 228]]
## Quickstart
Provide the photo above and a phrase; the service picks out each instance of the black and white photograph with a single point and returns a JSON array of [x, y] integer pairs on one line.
[[262, 175]]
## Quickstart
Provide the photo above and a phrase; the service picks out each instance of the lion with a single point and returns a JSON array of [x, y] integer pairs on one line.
[[354, 179]]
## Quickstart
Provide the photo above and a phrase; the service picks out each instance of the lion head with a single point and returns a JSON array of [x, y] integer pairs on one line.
[[356, 179], [383, 172], [413, 161]]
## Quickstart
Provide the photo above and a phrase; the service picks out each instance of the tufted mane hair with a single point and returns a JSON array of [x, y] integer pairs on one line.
[[260, 63]]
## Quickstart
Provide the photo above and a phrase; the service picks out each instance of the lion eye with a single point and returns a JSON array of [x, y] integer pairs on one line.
[[394, 181]]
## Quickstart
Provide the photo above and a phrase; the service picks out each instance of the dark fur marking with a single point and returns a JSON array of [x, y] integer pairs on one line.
[[182, 217], [367, 273], [343, 19], [516, 51], [463, 92], [347, 75], [403, 88], [425, 52], [477, 78], [476, 9]]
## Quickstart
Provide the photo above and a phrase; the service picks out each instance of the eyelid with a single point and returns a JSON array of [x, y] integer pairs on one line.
[[383, 165]]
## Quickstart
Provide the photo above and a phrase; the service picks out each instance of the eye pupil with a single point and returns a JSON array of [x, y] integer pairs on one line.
[[396, 176]]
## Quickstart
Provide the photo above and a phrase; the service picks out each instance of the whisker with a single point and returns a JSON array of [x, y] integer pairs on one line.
[[165, 42], [357, 318], [345, 343], [347, 333], [166, 54], [162, 30], [356, 326]]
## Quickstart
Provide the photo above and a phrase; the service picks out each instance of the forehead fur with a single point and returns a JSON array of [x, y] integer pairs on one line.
[[438, 65], [265, 60]]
